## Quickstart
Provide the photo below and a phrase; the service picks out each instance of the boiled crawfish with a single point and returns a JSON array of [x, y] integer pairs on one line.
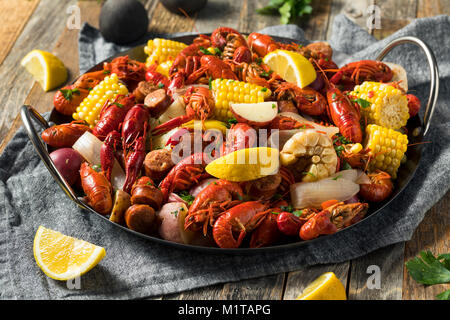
[[64, 135], [134, 132], [129, 71], [112, 115], [332, 219], [211, 202], [97, 188], [355, 73], [185, 174], [307, 100], [232, 226], [211, 67], [379, 189], [199, 106], [232, 43]]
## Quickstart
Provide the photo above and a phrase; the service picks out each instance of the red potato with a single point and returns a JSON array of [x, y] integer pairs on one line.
[[171, 228], [288, 223], [68, 162], [255, 114]]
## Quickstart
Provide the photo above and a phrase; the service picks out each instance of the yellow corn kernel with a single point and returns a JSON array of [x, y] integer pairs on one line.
[[226, 91], [356, 148], [89, 109], [388, 105], [385, 155], [164, 67], [160, 50]]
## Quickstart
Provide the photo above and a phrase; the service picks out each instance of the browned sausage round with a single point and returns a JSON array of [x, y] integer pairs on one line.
[[140, 218], [145, 192], [158, 163], [287, 106], [157, 102], [143, 89], [264, 188]]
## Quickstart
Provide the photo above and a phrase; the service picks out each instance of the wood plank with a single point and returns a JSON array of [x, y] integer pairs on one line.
[[354, 10], [432, 234], [394, 15], [429, 8], [16, 83], [389, 260], [298, 280], [14, 16], [263, 288]]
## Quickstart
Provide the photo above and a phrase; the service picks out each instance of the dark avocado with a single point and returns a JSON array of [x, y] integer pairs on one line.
[[190, 6], [123, 21]]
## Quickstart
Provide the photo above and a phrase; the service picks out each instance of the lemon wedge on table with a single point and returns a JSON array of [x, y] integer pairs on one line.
[[62, 257], [46, 69], [325, 287], [245, 164], [291, 66]]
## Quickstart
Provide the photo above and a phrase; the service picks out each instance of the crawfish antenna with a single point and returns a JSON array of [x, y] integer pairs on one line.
[[189, 18]]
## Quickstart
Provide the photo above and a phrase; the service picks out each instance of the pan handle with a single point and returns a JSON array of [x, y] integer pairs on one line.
[[434, 74], [26, 113]]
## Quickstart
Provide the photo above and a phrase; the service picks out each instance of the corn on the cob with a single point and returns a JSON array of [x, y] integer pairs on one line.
[[387, 148], [227, 91], [388, 105], [161, 50], [164, 67], [89, 109]]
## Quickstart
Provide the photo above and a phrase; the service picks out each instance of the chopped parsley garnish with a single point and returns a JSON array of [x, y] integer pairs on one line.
[[160, 85], [297, 213], [274, 105], [68, 93], [187, 197], [363, 103], [231, 121], [266, 74], [175, 213], [97, 167], [264, 89], [210, 83], [277, 196], [217, 51], [340, 138], [118, 104], [339, 150], [106, 71], [258, 61], [337, 177], [334, 96]]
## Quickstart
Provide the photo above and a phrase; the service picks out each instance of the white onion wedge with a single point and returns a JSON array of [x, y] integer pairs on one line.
[[89, 146], [176, 109], [313, 194], [354, 175], [399, 74]]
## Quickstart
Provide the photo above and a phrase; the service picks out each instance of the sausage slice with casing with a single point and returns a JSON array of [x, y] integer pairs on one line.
[[157, 102], [140, 218], [143, 89], [158, 163]]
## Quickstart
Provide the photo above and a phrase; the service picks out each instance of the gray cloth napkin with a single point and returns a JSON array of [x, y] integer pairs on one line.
[[134, 267]]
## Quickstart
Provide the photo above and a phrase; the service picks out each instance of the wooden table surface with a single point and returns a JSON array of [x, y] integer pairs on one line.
[[42, 24]]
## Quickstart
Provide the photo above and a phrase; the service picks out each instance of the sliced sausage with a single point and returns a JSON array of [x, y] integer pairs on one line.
[[147, 194], [157, 102], [158, 163], [143, 89], [140, 218]]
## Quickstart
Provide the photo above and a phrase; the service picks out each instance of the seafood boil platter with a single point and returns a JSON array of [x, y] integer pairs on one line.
[[232, 143]]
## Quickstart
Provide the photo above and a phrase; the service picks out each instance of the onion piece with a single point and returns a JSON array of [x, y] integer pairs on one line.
[[313, 194], [354, 175], [176, 109], [331, 131], [195, 190], [89, 147]]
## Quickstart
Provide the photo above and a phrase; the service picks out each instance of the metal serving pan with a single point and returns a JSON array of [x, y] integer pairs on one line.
[[405, 173]]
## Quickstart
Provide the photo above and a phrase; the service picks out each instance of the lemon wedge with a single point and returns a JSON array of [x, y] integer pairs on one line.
[[325, 287], [291, 66], [62, 257], [245, 164], [46, 69]]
